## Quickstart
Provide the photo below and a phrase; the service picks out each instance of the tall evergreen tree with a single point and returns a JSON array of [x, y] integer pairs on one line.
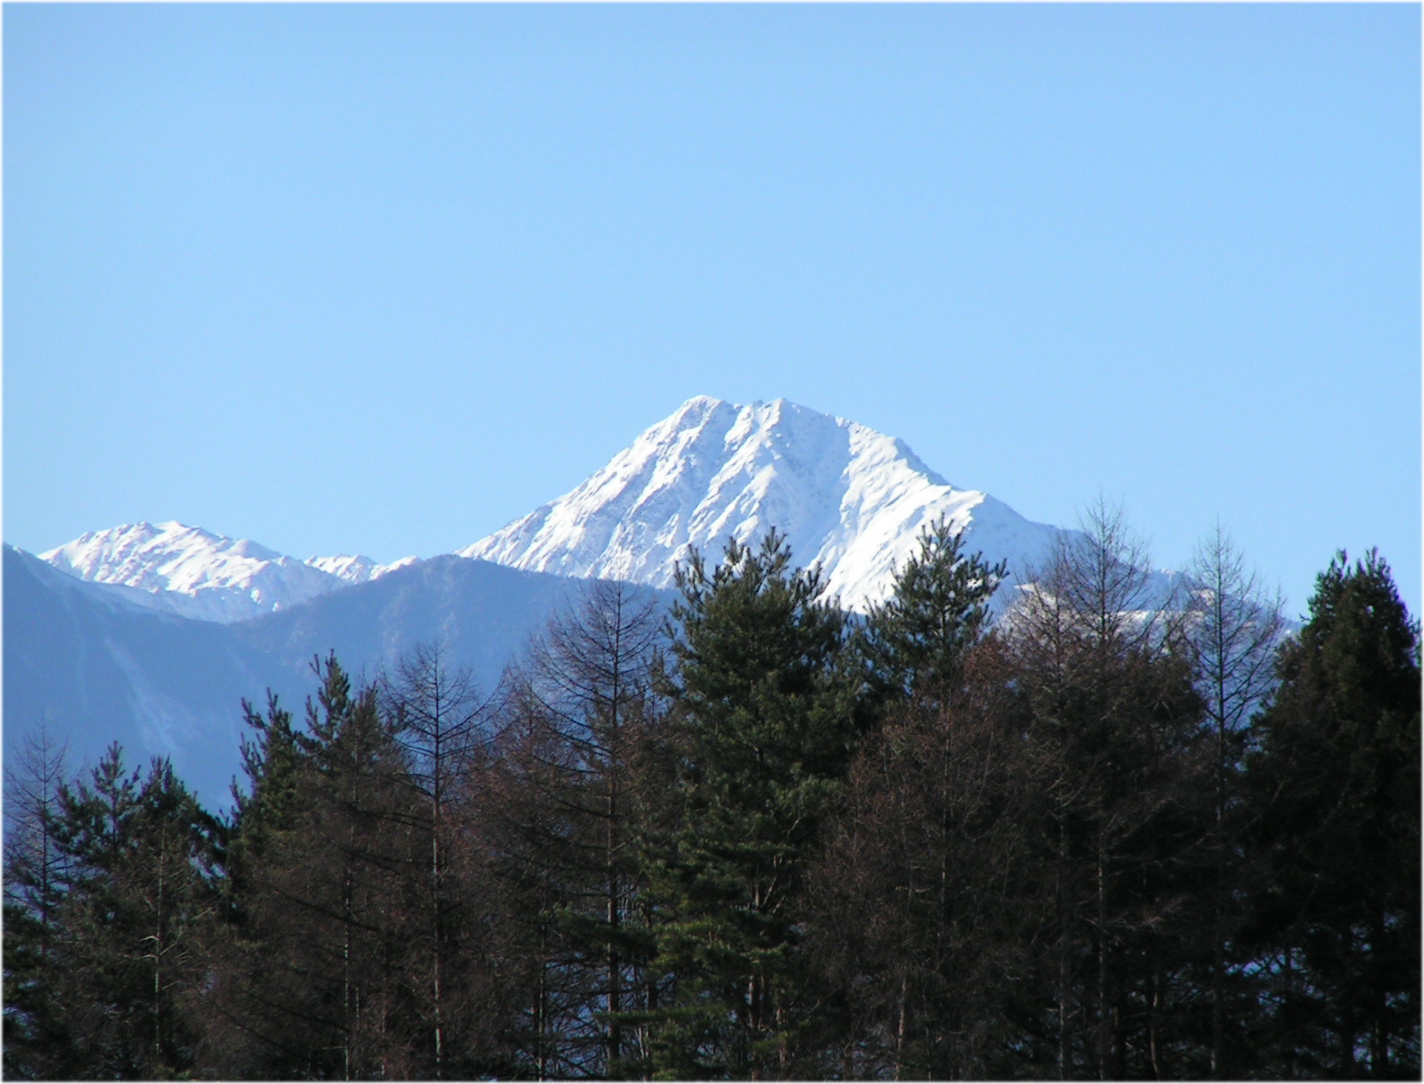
[[1335, 792], [904, 878], [310, 983], [762, 706], [36, 877]]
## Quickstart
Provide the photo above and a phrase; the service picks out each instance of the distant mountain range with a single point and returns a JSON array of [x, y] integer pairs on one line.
[[172, 568], [152, 634]]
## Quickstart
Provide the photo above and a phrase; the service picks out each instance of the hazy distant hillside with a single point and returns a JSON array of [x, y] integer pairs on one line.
[[99, 669]]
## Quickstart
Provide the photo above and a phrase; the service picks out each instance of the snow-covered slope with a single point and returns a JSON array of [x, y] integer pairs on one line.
[[173, 568], [851, 499], [357, 569], [846, 497]]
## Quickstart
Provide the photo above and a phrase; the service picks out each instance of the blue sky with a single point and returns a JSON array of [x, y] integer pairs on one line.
[[379, 279]]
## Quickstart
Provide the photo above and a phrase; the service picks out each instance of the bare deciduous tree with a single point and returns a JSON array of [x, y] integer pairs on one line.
[[437, 715], [1234, 628], [1113, 712]]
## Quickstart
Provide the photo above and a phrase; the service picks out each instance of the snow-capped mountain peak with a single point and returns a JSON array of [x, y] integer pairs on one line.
[[847, 498], [189, 571]]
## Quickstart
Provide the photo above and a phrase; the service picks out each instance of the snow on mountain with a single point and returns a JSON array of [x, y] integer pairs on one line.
[[357, 569], [851, 499], [99, 641], [846, 497], [191, 572]]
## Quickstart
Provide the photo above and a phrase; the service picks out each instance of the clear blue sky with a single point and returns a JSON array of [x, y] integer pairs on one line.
[[379, 279]]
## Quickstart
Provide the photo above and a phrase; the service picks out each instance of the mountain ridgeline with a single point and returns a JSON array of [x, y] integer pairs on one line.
[[764, 753], [158, 631]]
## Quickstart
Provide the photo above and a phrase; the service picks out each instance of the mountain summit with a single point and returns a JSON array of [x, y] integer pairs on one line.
[[847, 498]]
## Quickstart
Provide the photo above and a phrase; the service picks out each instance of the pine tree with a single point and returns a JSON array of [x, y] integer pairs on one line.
[[310, 982], [915, 641], [125, 961], [1335, 793], [922, 863], [762, 706]]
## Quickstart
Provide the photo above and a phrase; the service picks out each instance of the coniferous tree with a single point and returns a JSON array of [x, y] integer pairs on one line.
[[1234, 629], [929, 895], [124, 960], [255, 1025], [922, 858], [1335, 795], [763, 716], [915, 642], [589, 678], [525, 825], [435, 712], [1072, 845], [311, 981]]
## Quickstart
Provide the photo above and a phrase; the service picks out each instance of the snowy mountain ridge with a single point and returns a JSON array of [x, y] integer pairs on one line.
[[847, 498], [173, 568]]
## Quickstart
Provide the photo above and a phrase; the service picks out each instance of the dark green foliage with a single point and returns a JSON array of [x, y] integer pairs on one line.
[[1335, 788], [36, 874], [916, 641], [763, 720], [309, 978], [120, 934]]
